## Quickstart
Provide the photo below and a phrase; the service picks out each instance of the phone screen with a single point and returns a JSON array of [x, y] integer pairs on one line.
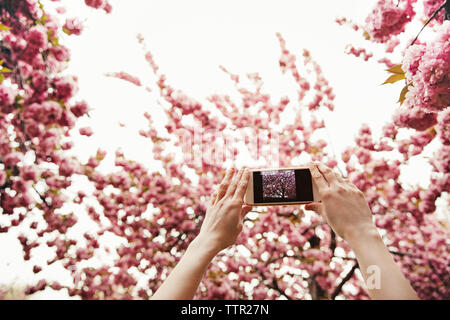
[[286, 185]]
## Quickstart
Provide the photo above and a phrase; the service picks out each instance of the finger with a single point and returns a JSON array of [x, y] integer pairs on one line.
[[245, 209], [318, 178], [224, 184], [234, 183], [339, 177], [347, 181], [242, 186], [316, 207], [214, 198], [327, 173]]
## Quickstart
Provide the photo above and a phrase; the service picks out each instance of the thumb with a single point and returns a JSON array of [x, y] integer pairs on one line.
[[245, 209], [316, 207]]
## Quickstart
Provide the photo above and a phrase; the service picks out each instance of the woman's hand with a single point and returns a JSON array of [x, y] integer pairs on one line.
[[224, 218], [343, 205], [346, 211], [221, 227]]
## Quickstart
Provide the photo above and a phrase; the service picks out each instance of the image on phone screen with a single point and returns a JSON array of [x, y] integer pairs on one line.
[[287, 185]]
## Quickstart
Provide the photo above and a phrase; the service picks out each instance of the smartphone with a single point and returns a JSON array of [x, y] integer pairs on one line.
[[283, 186]]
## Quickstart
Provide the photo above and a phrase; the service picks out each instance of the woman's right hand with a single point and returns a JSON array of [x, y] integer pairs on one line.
[[343, 205], [348, 214]]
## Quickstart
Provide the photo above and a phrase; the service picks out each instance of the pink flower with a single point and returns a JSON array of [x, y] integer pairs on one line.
[[56, 286], [387, 19], [80, 109], [86, 131], [65, 87], [47, 113], [441, 160], [37, 37], [411, 60], [61, 10], [39, 80], [67, 167], [125, 76], [12, 158], [67, 119], [430, 6], [73, 26], [389, 130], [28, 173], [37, 269], [7, 97], [359, 52], [392, 44], [443, 126], [60, 53], [107, 7], [414, 118], [427, 69], [96, 4]]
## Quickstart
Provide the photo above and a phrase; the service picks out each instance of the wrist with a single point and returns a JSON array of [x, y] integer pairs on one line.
[[361, 233], [204, 246]]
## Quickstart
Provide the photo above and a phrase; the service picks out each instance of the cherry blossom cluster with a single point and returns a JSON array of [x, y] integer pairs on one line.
[[427, 69], [388, 18], [359, 52], [37, 113], [430, 7]]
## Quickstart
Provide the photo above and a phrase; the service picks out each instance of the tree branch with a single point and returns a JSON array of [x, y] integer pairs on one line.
[[344, 280], [447, 10], [274, 286], [446, 4], [332, 242], [42, 198], [278, 289]]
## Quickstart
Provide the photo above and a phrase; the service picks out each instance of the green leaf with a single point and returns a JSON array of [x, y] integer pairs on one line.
[[394, 78], [5, 70], [397, 69], [3, 27], [2, 77], [66, 31]]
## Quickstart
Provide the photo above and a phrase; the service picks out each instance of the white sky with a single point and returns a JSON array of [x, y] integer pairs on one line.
[[189, 40]]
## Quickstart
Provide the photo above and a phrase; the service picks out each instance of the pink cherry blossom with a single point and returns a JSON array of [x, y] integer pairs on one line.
[[86, 131], [73, 26], [388, 19]]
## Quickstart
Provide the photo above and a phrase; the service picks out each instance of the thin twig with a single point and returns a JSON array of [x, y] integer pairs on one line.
[[42, 198], [344, 281], [447, 10], [429, 20], [277, 288]]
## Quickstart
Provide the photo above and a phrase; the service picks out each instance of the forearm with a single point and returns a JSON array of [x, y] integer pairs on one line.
[[374, 261], [185, 278]]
